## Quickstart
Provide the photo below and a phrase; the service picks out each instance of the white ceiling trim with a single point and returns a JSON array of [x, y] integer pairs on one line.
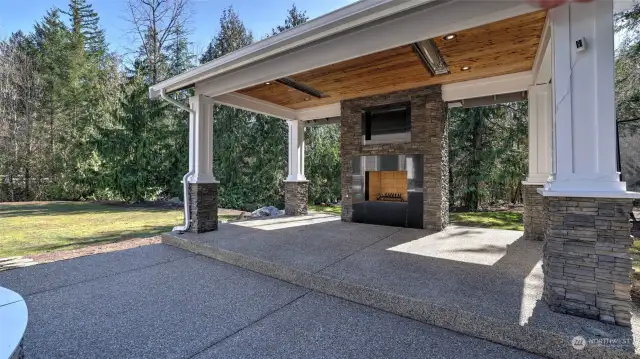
[[495, 85], [248, 103], [314, 113]]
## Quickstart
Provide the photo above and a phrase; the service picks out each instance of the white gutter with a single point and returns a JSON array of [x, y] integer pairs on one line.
[[185, 179], [337, 21]]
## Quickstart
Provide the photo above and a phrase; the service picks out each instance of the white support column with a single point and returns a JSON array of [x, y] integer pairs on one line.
[[540, 122], [201, 150], [584, 137], [296, 151]]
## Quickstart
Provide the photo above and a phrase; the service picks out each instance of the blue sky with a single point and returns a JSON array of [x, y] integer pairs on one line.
[[258, 15]]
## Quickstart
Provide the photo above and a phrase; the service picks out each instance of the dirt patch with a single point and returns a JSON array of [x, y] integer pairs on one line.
[[87, 251]]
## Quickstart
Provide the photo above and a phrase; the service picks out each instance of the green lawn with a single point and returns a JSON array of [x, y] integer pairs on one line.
[[337, 210], [635, 254], [498, 220], [30, 228]]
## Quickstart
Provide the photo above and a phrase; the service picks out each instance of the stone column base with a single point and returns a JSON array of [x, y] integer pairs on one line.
[[203, 207], [296, 198], [585, 261], [533, 217]]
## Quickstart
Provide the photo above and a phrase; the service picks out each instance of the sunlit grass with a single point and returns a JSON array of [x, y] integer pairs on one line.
[[495, 220], [337, 210], [30, 228]]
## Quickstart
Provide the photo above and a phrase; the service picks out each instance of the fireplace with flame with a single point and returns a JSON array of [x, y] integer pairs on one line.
[[388, 190], [386, 186]]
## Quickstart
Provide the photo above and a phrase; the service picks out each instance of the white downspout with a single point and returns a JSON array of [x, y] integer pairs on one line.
[[185, 179]]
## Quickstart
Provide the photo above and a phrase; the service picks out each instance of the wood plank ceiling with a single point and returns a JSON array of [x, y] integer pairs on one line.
[[499, 48]]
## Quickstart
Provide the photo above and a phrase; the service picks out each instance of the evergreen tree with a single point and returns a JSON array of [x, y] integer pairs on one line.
[[294, 18], [233, 35], [50, 49], [628, 95], [488, 154], [180, 57], [85, 27]]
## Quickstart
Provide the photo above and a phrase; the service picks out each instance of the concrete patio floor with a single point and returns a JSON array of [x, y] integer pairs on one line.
[[162, 302], [481, 282]]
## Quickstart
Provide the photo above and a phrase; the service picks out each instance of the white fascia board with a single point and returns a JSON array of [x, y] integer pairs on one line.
[[314, 113], [248, 103], [345, 18], [427, 22], [495, 85], [542, 62]]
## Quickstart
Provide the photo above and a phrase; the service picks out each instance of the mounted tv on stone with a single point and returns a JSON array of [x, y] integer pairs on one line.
[[387, 124]]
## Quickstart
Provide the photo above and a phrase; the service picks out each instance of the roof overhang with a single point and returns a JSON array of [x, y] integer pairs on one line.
[[362, 28], [330, 24]]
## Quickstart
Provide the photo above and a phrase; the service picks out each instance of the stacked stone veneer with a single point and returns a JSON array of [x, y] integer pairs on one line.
[[203, 207], [585, 258], [428, 137], [296, 198], [533, 217]]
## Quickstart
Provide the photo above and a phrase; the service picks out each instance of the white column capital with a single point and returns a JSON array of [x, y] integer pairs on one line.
[[202, 148], [296, 152]]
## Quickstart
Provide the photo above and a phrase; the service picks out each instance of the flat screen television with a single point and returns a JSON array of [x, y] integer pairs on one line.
[[387, 124]]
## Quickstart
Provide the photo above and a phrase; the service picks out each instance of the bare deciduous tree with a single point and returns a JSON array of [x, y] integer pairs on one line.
[[157, 24], [20, 90]]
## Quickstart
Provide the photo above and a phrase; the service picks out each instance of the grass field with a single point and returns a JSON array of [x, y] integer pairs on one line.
[[29, 228], [496, 220], [36, 227], [337, 210]]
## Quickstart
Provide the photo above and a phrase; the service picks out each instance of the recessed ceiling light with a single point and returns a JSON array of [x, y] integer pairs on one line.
[[449, 37], [465, 68], [267, 83]]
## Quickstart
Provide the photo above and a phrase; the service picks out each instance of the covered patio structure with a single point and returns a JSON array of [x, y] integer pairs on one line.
[[387, 70]]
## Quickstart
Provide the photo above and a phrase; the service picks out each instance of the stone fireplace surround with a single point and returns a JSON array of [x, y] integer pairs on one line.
[[428, 139]]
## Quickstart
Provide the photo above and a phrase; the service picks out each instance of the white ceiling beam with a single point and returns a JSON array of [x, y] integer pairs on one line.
[[439, 19], [248, 103], [495, 85], [542, 62], [314, 113]]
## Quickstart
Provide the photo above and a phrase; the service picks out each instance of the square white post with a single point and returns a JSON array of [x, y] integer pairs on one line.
[[202, 148], [296, 151], [584, 137], [540, 124]]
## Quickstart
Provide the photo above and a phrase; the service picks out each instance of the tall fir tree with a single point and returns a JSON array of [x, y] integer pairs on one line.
[[50, 47], [85, 27], [233, 35], [294, 18]]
